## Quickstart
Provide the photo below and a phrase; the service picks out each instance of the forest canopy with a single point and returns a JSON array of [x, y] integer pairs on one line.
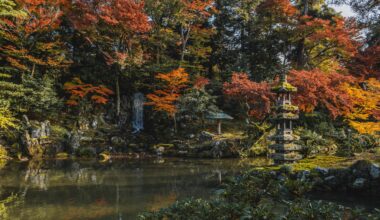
[[54, 53]]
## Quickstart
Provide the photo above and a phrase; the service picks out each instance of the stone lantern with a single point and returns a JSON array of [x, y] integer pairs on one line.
[[284, 149]]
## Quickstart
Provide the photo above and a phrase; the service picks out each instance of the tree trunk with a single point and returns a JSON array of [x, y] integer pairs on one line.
[[175, 123], [33, 69], [219, 127], [300, 51], [117, 97], [185, 35]]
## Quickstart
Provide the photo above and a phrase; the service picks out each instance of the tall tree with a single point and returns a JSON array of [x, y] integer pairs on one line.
[[31, 43], [165, 98], [114, 28]]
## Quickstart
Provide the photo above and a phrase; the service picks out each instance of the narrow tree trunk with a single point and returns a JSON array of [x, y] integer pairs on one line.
[[33, 69], [117, 97], [300, 52], [185, 35], [175, 123]]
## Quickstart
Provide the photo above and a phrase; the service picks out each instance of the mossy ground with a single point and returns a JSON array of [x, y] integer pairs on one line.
[[324, 161], [233, 135]]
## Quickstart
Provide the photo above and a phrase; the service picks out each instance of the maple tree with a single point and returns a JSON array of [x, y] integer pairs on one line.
[[114, 28], [318, 88], [200, 82], [165, 99], [328, 40], [365, 116], [79, 91], [254, 97], [366, 63], [30, 41]]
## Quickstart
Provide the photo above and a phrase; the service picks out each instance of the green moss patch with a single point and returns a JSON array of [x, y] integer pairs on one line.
[[322, 161]]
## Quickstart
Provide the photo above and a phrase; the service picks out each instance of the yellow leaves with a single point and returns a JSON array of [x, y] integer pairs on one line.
[[6, 118], [365, 117], [366, 127], [365, 101]]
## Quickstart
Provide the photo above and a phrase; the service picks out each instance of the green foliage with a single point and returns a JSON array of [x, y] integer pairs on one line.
[[11, 89], [8, 9], [40, 96], [197, 102], [257, 196], [354, 142], [10, 203], [314, 144]]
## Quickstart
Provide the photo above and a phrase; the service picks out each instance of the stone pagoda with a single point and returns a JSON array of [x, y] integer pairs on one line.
[[284, 150]]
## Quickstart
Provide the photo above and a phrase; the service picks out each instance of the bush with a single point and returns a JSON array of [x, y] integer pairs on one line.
[[315, 143], [257, 195]]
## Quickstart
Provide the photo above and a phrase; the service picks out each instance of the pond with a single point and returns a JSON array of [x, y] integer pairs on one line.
[[119, 189]]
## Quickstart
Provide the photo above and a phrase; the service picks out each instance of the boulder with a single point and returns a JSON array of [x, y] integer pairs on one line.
[[35, 132], [73, 141], [45, 129], [303, 175], [206, 136], [218, 149], [361, 168], [359, 183], [374, 171], [321, 170], [331, 180], [117, 141]]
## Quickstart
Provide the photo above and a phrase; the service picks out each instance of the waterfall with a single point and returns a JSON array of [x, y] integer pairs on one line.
[[138, 112]]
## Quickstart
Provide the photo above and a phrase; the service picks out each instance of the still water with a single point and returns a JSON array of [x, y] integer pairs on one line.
[[72, 190]]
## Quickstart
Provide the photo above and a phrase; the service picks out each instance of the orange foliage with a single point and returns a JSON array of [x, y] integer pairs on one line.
[[366, 115], [114, 26], [194, 8], [256, 95], [281, 8], [127, 14], [164, 99], [43, 14], [317, 88], [328, 39], [79, 90], [24, 43], [201, 82]]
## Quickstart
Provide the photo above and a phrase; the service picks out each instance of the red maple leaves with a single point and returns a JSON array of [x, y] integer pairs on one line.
[[317, 88], [79, 91], [126, 14], [256, 96]]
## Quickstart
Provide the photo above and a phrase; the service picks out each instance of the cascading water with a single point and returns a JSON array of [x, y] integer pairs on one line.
[[138, 112]]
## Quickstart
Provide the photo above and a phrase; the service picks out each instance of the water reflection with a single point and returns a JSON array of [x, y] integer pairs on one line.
[[68, 189]]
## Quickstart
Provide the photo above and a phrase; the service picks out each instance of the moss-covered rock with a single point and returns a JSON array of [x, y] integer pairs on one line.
[[88, 152], [62, 155]]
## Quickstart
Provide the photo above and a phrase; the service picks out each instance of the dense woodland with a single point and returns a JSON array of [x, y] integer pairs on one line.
[[108, 106], [65, 59]]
